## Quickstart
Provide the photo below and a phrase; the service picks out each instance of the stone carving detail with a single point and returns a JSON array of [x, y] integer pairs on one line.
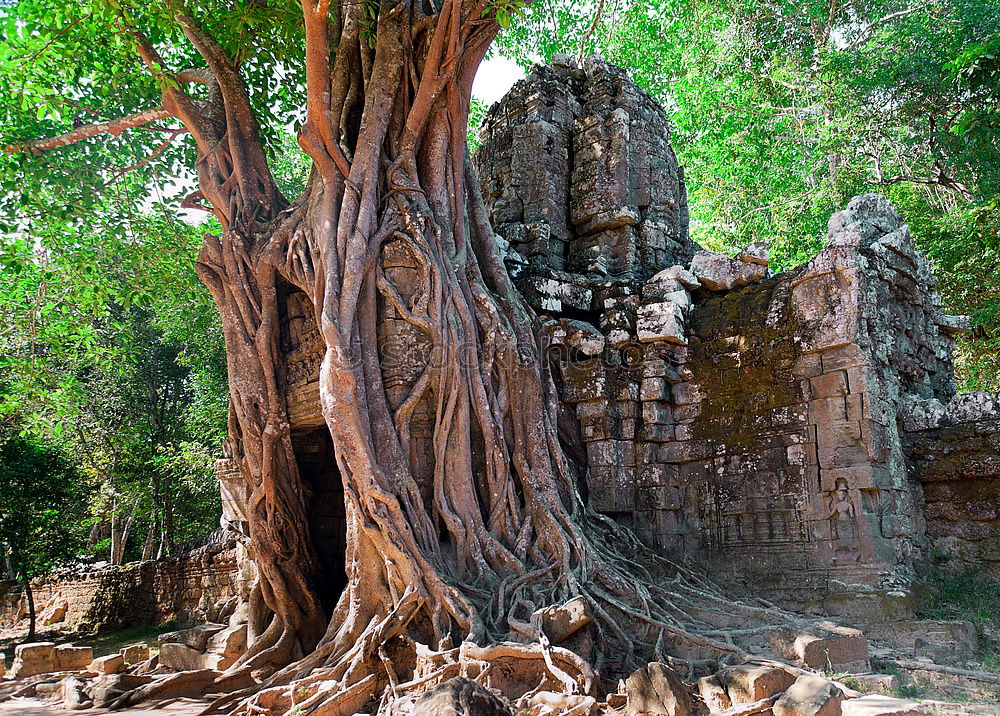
[[843, 520]]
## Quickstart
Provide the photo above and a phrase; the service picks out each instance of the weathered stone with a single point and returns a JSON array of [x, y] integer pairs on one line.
[[718, 272], [878, 705], [106, 688], [32, 659], [661, 322], [72, 695], [73, 658], [562, 621], [810, 696], [876, 683], [227, 646], [657, 689], [746, 683], [460, 697], [196, 638], [755, 253], [713, 693], [181, 657], [824, 645], [679, 274], [54, 613], [134, 653], [110, 664]]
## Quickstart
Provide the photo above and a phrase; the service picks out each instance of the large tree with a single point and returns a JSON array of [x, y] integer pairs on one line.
[[461, 539]]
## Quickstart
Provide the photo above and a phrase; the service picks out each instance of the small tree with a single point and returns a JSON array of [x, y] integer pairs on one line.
[[39, 511]]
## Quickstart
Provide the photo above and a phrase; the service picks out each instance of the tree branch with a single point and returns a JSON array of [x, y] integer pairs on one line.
[[881, 21], [113, 127]]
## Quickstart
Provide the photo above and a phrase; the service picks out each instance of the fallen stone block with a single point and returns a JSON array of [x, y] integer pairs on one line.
[[134, 653], [181, 657], [33, 659], [460, 697], [746, 683], [227, 646], [196, 638], [878, 705], [3, 664], [755, 253], [104, 690], [73, 658], [810, 696], [657, 689], [679, 274], [71, 693], [823, 645], [713, 693], [718, 272], [110, 664], [559, 622]]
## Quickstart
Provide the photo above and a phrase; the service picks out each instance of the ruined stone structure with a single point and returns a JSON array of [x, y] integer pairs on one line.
[[200, 585], [779, 430]]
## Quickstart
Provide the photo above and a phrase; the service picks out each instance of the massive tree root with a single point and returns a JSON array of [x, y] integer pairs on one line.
[[465, 520]]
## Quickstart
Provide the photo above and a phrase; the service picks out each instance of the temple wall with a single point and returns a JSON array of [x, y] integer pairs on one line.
[[954, 450], [191, 588]]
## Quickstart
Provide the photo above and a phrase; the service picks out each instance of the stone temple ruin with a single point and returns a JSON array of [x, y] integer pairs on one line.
[[799, 434], [795, 435]]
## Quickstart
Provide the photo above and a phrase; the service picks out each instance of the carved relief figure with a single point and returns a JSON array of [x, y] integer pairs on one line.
[[843, 520]]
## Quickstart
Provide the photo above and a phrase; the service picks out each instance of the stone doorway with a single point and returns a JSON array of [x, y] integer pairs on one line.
[[325, 510]]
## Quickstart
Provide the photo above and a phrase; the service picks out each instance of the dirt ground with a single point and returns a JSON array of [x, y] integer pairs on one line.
[[34, 707]]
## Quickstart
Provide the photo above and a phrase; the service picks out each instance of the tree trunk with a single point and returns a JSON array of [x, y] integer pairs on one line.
[[463, 514]]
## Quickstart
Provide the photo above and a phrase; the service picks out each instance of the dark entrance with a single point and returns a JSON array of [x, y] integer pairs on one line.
[[324, 509]]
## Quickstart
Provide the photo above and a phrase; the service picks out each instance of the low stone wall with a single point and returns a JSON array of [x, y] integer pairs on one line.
[[193, 587], [955, 450]]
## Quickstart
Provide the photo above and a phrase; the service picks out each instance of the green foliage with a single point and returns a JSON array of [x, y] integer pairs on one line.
[[41, 513], [477, 112], [783, 111]]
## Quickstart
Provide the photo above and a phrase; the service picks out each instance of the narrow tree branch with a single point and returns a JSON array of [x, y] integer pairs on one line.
[[881, 21], [113, 127]]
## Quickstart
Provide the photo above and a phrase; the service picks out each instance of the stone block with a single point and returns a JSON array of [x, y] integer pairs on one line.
[[679, 274], [687, 393], [876, 683], [180, 657], [824, 645], [73, 658], [459, 697], [713, 693], [810, 696], [562, 621], [33, 659], [718, 272], [756, 252], [229, 645], [661, 322], [111, 664], [829, 385], [134, 653], [54, 613], [746, 683], [196, 637], [657, 689]]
